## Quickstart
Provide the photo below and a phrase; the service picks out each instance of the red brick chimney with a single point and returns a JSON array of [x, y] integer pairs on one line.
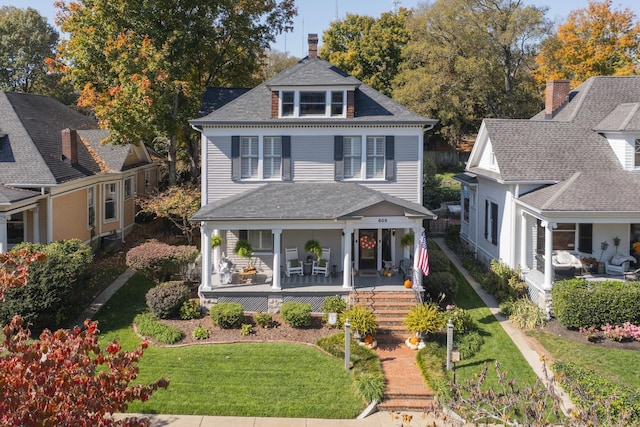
[[70, 145], [556, 96], [313, 46]]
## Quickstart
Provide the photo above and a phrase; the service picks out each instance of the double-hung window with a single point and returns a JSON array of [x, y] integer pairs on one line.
[[313, 103], [260, 240], [128, 188], [637, 153], [272, 157], [249, 157], [352, 156], [91, 208], [375, 157], [110, 201], [337, 103], [491, 222]]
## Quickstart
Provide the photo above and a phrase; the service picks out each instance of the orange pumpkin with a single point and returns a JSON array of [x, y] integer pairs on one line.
[[407, 283]]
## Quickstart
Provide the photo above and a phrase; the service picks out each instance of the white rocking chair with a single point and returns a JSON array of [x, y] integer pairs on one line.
[[322, 265], [293, 265]]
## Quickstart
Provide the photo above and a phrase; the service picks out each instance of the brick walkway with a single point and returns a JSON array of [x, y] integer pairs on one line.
[[405, 388]]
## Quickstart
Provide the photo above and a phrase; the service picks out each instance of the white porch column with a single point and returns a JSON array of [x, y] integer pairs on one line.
[[523, 241], [346, 262], [417, 273], [4, 244], [36, 224], [216, 253], [206, 255], [548, 251], [275, 282]]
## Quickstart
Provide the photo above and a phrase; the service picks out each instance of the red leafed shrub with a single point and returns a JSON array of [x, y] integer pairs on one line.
[[13, 268], [160, 261], [66, 378]]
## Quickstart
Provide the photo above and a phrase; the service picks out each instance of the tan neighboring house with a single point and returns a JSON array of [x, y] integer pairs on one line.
[[57, 181]]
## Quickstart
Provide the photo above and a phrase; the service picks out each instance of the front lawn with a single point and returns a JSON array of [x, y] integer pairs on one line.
[[248, 379]]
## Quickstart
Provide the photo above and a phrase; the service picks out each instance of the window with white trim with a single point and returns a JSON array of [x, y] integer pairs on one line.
[[491, 222], [261, 157], [128, 189], [313, 103], [91, 208], [272, 157], [15, 228], [147, 179], [637, 153], [249, 157], [110, 201], [352, 156], [375, 157], [260, 240]]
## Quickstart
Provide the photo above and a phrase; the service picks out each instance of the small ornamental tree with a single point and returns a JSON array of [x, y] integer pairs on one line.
[[159, 261], [65, 377]]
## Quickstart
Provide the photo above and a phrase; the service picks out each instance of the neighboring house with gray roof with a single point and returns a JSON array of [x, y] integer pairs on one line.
[[312, 153], [58, 181], [565, 181]]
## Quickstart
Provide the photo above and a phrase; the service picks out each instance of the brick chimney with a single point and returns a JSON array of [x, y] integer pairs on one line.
[[313, 46], [557, 95], [70, 145]]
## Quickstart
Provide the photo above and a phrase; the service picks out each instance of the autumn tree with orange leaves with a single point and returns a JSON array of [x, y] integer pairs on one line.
[[595, 41], [65, 378]]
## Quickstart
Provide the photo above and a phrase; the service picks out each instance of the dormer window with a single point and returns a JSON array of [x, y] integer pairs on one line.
[[313, 103]]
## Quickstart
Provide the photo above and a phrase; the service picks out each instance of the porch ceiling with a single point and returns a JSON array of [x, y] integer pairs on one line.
[[305, 201]]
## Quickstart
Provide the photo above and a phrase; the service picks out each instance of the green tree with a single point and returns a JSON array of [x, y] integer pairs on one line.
[[143, 65], [470, 59], [26, 41], [595, 41], [273, 63], [368, 48]]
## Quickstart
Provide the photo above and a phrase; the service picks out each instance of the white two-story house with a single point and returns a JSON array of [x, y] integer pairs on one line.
[[312, 153], [542, 194]]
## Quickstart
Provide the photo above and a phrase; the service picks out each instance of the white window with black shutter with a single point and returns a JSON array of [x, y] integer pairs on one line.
[[364, 157], [491, 222], [261, 157]]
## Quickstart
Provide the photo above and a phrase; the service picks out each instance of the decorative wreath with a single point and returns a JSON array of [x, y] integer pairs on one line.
[[367, 242]]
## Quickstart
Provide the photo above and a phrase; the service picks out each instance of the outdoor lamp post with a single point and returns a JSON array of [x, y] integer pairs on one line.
[[449, 343]]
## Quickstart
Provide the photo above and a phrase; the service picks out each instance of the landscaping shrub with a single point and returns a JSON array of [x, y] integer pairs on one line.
[[159, 261], [264, 320], [200, 333], [296, 314], [166, 299], [49, 300], [438, 261], [246, 329], [148, 326], [431, 361], [190, 309], [440, 288], [581, 304], [227, 314], [423, 318], [613, 404], [361, 319], [370, 386], [524, 313], [503, 282], [462, 321], [333, 304], [469, 344]]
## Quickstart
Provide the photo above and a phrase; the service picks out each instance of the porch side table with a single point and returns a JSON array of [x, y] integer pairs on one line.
[[306, 268]]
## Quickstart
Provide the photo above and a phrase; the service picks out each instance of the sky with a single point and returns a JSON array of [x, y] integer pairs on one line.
[[316, 16]]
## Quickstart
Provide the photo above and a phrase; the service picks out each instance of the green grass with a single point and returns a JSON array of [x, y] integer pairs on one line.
[[447, 179], [263, 379], [620, 366]]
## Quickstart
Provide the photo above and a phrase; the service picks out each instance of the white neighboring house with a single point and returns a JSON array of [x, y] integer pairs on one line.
[[542, 194], [313, 153]]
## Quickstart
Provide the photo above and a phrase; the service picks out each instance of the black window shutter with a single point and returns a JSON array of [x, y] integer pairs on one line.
[[286, 158], [585, 238], [486, 219], [389, 156], [338, 157], [235, 158], [494, 223], [244, 235]]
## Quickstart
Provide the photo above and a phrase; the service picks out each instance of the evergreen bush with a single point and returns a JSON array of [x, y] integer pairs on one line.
[[166, 299], [190, 310], [333, 304], [160, 261], [296, 314], [227, 315]]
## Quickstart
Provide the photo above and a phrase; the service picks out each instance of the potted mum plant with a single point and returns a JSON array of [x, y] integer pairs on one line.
[[421, 320]]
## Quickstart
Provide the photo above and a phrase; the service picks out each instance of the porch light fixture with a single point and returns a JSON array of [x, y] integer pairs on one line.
[[604, 245], [616, 241]]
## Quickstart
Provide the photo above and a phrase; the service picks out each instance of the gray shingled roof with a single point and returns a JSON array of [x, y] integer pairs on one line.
[[9, 195], [625, 117], [303, 201], [216, 97], [568, 149], [254, 107], [113, 156]]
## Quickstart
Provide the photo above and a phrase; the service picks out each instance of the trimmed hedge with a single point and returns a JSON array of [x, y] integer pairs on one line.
[[227, 315], [296, 314], [581, 304], [159, 261], [165, 300]]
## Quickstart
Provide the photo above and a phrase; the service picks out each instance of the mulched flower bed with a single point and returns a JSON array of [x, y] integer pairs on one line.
[[556, 328]]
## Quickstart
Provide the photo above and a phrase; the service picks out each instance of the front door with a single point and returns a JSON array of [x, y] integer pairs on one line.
[[368, 249]]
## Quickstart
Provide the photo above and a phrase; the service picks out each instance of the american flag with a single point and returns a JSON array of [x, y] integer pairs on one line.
[[423, 255]]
